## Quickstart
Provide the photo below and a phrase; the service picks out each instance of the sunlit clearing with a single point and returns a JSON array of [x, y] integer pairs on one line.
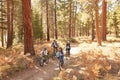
[[74, 50]]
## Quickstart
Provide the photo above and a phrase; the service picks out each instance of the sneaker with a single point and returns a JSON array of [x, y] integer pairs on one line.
[[45, 63]]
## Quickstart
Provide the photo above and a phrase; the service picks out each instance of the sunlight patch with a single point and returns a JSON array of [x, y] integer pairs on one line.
[[74, 50]]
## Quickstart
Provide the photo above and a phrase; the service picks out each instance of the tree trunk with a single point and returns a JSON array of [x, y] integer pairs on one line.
[[11, 20], [10, 10], [48, 33], [28, 30], [9, 37], [41, 18], [5, 36], [80, 32], [75, 14], [97, 24], [2, 24], [93, 31], [65, 25], [70, 18], [104, 10], [2, 36], [56, 36], [93, 27]]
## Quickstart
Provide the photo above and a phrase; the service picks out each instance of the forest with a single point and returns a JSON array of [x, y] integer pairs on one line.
[[92, 27]]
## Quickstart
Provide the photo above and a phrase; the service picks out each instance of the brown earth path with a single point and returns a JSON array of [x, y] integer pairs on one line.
[[47, 72]]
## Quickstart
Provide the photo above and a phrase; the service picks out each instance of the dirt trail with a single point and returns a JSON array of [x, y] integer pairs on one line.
[[48, 72], [38, 73]]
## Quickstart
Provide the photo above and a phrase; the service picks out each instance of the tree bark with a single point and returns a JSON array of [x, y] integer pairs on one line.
[[10, 10], [65, 27], [48, 32], [2, 24], [104, 11], [41, 18], [75, 14], [80, 32], [2, 36], [93, 31], [28, 30], [97, 23], [70, 20], [11, 20], [9, 37], [56, 33]]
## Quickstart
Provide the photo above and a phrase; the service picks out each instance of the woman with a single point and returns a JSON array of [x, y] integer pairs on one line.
[[60, 55]]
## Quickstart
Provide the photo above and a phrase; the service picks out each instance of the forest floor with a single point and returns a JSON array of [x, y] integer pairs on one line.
[[47, 72], [88, 61]]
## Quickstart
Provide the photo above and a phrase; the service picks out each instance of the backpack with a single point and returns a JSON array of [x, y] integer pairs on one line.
[[59, 54], [55, 44]]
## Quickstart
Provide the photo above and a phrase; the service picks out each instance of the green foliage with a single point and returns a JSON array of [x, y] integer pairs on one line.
[[18, 21], [113, 20], [37, 27]]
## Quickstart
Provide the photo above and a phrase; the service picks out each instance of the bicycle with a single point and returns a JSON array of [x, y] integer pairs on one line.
[[54, 53], [44, 59]]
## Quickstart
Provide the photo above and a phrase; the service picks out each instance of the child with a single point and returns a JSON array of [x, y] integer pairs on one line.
[[45, 54], [60, 55], [68, 48], [54, 45]]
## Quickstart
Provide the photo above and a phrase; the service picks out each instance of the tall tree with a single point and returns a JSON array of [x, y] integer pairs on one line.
[[93, 27], [104, 11], [41, 22], [2, 23], [70, 16], [56, 34], [47, 22], [74, 21], [10, 22], [28, 30], [97, 23]]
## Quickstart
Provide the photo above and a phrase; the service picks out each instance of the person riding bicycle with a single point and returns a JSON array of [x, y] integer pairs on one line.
[[55, 46], [45, 54], [60, 55], [68, 48]]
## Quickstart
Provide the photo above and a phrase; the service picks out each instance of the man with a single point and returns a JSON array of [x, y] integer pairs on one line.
[[55, 47], [68, 48]]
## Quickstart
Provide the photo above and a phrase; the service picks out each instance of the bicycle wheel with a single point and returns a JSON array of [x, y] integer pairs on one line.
[[41, 61], [47, 59], [53, 56]]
